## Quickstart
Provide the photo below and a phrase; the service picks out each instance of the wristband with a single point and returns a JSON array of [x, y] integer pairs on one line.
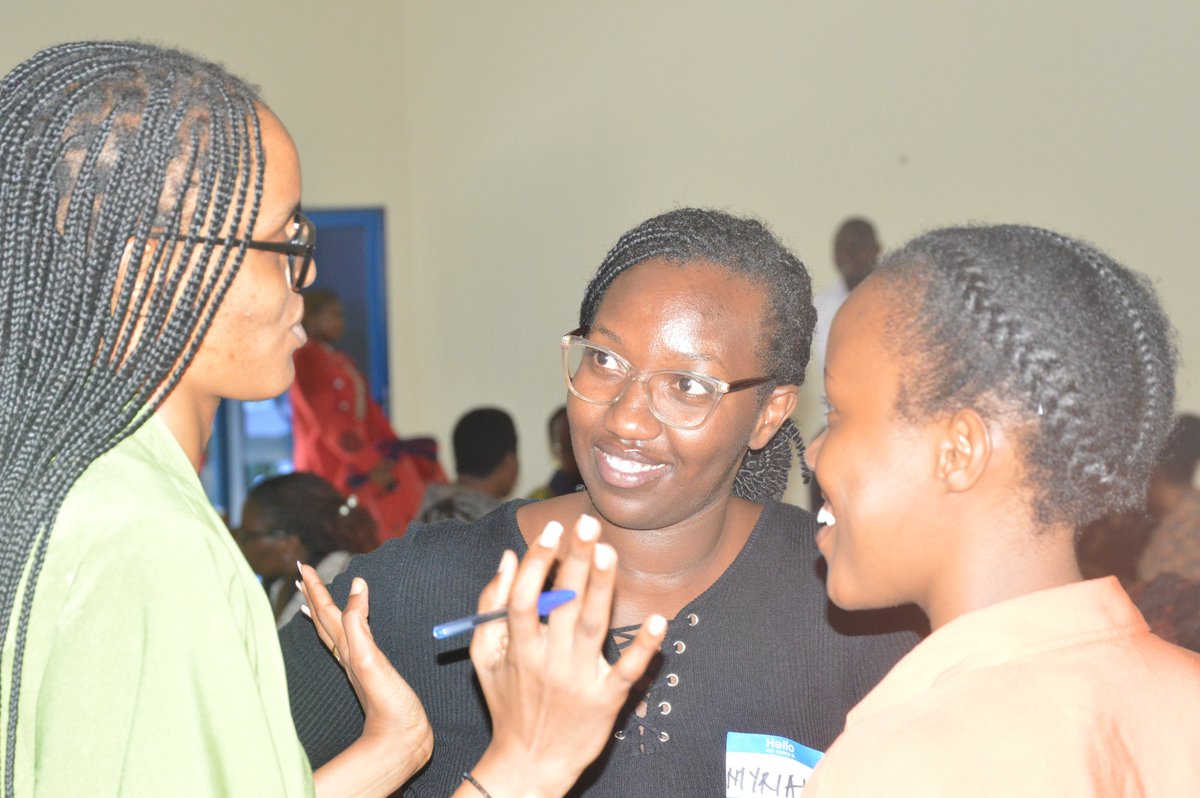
[[469, 778]]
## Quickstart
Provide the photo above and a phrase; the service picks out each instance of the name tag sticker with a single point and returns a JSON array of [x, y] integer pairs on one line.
[[759, 765]]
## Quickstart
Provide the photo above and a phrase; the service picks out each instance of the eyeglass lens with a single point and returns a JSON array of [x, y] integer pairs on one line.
[[677, 398], [298, 264]]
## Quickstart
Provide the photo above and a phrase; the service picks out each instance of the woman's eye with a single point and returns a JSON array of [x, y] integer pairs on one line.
[[692, 386], [605, 361]]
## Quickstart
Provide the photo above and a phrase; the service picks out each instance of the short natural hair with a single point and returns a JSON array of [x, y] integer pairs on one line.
[[482, 437]]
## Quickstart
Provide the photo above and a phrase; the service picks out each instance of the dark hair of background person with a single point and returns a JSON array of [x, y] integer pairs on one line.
[[482, 437], [555, 417], [855, 250], [312, 509], [1177, 463], [747, 248], [316, 300], [1050, 335], [101, 144]]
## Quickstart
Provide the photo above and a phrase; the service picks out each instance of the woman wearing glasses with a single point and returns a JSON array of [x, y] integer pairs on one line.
[[151, 252], [694, 336]]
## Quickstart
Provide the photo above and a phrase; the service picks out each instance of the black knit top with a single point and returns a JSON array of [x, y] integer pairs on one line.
[[761, 650]]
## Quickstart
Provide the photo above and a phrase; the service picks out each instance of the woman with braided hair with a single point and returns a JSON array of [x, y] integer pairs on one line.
[[992, 390], [152, 249], [694, 335]]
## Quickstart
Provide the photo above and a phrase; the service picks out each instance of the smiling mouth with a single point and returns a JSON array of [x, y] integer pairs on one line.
[[825, 516], [623, 472], [630, 466]]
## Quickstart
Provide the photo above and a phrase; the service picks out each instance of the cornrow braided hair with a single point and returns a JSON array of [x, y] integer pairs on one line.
[[747, 248], [1031, 326], [115, 157]]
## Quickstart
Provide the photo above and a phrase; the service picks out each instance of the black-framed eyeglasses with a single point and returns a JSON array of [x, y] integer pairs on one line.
[[678, 398], [299, 248]]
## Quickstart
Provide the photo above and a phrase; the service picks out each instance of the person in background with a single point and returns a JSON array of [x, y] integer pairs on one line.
[[991, 390], [566, 478], [855, 252], [485, 459], [693, 338], [1168, 587], [342, 434], [1174, 503], [300, 517]]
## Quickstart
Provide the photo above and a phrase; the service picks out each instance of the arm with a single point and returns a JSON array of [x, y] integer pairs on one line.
[[553, 697]]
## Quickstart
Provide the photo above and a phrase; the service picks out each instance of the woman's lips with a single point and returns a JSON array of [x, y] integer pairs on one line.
[[631, 470], [826, 520], [301, 335]]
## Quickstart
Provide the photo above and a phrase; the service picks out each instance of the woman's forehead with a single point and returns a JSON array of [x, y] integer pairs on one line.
[[700, 310]]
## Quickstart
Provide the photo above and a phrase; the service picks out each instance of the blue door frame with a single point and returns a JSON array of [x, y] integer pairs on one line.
[[252, 439]]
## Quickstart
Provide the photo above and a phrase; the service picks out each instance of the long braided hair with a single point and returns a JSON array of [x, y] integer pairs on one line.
[[1046, 332], [115, 158], [747, 248]]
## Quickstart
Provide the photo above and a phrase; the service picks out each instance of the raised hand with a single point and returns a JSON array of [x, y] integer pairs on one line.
[[397, 739], [552, 696]]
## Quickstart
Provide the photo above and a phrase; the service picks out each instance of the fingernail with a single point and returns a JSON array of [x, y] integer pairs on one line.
[[299, 586], [507, 559], [656, 624], [550, 535], [304, 609], [587, 528], [604, 556], [357, 586], [300, 568]]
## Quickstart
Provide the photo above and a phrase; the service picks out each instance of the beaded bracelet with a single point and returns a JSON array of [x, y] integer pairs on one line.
[[469, 778]]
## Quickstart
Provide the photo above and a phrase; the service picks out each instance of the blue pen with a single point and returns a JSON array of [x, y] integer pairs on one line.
[[549, 600]]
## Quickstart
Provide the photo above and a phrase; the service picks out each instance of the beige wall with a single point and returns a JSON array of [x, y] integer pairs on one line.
[[512, 142]]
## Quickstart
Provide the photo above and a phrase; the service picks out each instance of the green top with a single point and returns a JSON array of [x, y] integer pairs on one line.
[[152, 665]]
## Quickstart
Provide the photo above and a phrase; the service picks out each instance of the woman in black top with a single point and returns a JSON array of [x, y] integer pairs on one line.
[[694, 336]]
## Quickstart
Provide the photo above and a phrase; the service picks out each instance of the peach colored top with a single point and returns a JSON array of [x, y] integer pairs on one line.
[[1061, 692]]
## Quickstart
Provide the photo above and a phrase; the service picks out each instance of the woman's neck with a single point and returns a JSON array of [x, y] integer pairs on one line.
[[190, 420], [659, 570]]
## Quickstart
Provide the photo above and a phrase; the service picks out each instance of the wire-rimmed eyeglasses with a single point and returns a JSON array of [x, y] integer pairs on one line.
[[681, 399]]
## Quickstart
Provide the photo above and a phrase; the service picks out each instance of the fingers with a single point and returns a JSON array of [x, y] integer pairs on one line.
[[319, 605], [637, 655], [360, 649], [490, 640], [573, 573], [523, 623], [595, 605]]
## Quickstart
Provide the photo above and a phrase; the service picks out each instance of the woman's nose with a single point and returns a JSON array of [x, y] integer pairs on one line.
[[629, 417]]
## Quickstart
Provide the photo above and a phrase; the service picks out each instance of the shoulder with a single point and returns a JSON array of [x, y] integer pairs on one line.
[[440, 556], [141, 506]]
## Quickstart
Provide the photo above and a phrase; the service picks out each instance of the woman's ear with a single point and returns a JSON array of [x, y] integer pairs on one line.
[[778, 409], [964, 451]]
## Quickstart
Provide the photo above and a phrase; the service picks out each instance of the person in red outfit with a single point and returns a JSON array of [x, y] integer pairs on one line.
[[342, 434]]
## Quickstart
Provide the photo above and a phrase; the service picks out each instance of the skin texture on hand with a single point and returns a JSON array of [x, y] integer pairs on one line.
[[397, 739], [553, 697]]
